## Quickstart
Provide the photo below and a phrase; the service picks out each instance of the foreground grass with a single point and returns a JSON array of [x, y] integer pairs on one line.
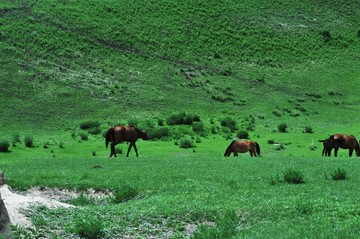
[[231, 197]]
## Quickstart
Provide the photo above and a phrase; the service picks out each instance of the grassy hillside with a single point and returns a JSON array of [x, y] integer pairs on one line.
[[66, 61], [197, 72]]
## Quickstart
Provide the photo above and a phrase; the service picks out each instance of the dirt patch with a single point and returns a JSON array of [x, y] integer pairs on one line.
[[15, 203]]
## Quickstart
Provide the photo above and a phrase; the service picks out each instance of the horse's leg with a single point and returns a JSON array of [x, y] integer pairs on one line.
[[235, 154], [137, 155], [351, 152], [127, 155], [112, 150], [335, 152]]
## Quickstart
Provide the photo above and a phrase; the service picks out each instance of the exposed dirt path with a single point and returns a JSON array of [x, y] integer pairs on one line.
[[15, 203]]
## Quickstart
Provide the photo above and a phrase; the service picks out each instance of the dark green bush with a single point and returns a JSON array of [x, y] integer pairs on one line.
[[118, 150], [293, 176], [125, 193], [4, 146], [229, 123], [339, 174], [242, 134], [308, 130], [282, 128], [159, 133], [199, 128], [29, 141], [16, 139], [183, 119], [95, 131], [89, 124], [84, 136], [186, 143], [88, 226]]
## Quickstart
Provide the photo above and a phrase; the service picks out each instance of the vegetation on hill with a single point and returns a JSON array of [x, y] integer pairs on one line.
[[63, 61]]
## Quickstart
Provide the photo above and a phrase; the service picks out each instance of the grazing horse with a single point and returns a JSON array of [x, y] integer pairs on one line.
[[327, 147], [345, 142], [243, 146], [119, 134]]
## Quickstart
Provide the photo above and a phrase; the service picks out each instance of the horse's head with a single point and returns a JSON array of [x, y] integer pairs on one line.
[[144, 135]]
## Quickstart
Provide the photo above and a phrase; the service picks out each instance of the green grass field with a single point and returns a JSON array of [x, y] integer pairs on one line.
[[252, 64]]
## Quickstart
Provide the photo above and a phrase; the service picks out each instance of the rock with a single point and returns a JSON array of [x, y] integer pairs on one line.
[[2, 178], [4, 218]]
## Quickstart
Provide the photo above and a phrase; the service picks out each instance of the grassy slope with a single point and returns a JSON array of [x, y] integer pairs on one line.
[[110, 61], [66, 61]]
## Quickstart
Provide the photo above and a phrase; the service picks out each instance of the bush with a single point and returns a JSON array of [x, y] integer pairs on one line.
[[95, 131], [308, 130], [199, 128], [159, 133], [339, 174], [282, 128], [186, 143], [4, 145], [293, 176], [183, 119], [229, 123], [242, 134], [16, 139], [28, 141], [88, 226], [84, 136], [89, 124], [125, 193]]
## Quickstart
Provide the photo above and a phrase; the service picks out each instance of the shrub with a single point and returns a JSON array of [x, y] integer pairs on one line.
[[125, 193], [118, 150], [326, 36], [89, 124], [186, 143], [229, 123], [293, 176], [95, 131], [16, 139], [88, 226], [159, 133], [28, 141], [282, 128], [199, 128], [242, 134], [84, 136], [308, 130], [160, 122], [4, 145], [339, 174], [183, 119]]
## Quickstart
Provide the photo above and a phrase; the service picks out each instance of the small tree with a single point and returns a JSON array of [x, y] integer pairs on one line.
[[282, 128], [4, 145]]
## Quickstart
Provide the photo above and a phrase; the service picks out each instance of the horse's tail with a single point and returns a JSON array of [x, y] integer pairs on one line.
[[257, 148], [109, 136]]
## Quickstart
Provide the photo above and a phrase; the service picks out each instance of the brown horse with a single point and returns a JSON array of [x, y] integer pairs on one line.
[[243, 146], [119, 134], [345, 142], [327, 147]]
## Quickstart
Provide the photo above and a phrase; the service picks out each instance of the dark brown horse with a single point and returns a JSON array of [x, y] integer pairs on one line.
[[119, 134], [345, 142], [243, 146], [327, 147]]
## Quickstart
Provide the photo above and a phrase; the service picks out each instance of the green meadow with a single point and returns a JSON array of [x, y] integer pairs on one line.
[[195, 75]]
